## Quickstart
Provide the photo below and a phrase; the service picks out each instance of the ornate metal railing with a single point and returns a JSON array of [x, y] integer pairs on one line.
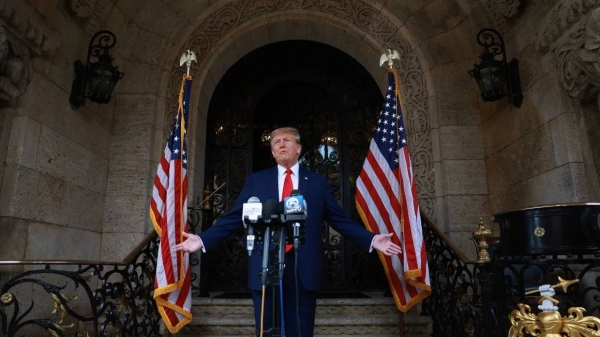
[[82, 298], [92, 298], [473, 299], [456, 304]]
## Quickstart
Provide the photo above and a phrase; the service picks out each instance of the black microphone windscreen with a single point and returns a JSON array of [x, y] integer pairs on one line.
[[280, 207], [295, 193], [269, 208]]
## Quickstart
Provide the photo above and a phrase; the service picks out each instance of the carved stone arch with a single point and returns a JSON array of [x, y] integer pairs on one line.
[[358, 20]]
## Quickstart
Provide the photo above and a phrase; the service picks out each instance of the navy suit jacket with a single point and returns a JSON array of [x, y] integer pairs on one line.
[[321, 205]]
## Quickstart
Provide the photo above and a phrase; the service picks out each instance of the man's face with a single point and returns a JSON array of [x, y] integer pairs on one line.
[[285, 150]]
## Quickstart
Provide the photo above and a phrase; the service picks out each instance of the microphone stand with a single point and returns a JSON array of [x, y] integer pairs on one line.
[[274, 277], [276, 224], [265, 262]]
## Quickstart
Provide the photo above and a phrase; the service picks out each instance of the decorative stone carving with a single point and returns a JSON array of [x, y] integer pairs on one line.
[[19, 38], [95, 19], [561, 18], [579, 72], [508, 8], [223, 21], [89, 14], [573, 34], [15, 67], [499, 10], [82, 8], [37, 39]]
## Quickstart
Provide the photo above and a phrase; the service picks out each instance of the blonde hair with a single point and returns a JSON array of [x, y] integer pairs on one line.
[[286, 129]]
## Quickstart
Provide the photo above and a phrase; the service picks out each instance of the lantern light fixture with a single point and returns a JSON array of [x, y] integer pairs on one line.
[[495, 77], [95, 80]]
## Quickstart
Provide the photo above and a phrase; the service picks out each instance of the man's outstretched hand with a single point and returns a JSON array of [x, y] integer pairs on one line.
[[382, 243], [191, 244]]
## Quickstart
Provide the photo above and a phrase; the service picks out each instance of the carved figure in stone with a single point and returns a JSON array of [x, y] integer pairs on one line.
[[582, 65], [15, 67]]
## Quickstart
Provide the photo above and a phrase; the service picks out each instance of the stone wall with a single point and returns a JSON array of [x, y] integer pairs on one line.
[[55, 160], [535, 154], [86, 175]]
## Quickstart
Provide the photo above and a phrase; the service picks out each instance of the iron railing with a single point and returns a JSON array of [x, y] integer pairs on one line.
[[92, 298], [82, 298], [471, 299]]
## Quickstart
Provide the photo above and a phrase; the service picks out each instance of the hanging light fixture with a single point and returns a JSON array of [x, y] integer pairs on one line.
[[495, 77], [95, 80]]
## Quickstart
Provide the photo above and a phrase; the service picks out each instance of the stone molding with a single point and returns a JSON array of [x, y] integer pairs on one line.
[[19, 39], [219, 25], [571, 30]]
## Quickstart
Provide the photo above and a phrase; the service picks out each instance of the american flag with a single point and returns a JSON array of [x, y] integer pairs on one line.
[[386, 199], [168, 211]]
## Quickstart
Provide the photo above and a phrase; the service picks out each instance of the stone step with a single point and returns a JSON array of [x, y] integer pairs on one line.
[[371, 316]]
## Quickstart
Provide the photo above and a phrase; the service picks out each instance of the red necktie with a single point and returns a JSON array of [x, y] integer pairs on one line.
[[287, 184], [287, 191]]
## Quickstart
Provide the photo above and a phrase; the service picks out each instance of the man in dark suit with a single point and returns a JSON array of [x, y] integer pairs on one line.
[[321, 205]]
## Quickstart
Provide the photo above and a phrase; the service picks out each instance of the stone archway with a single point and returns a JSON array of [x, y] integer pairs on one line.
[[361, 29]]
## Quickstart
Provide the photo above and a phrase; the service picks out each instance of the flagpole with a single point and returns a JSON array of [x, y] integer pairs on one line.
[[390, 56], [172, 288]]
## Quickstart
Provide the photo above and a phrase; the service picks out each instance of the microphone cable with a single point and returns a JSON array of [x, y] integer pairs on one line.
[[262, 311], [282, 318], [297, 291]]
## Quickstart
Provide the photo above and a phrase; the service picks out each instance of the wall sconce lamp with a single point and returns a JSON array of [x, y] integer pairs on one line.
[[95, 80], [496, 78]]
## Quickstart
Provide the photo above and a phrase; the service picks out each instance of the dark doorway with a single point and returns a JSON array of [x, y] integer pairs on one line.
[[333, 101]]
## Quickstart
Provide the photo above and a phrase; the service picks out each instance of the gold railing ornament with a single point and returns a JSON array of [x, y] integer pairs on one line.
[[549, 322], [481, 234]]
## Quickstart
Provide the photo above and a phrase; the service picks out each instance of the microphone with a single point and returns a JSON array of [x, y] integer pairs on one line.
[[251, 211], [295, 210], [295, 204], [269, 211]]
